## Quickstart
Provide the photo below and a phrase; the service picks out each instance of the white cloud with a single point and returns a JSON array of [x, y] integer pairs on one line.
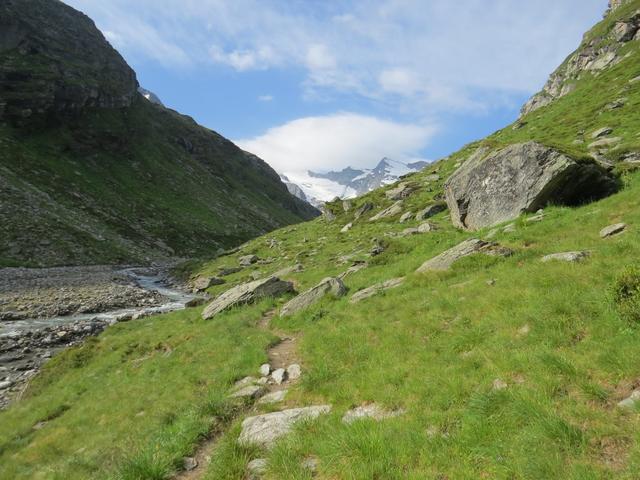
[[319, 58], [266, 98], [399, 80], [335, 141], [243, 60]]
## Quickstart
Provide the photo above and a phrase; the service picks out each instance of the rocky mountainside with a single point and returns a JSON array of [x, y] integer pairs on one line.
[[152, 97], [318, 188], [98, 173]]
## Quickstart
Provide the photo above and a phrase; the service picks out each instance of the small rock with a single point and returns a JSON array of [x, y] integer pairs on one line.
[[631, 400], [491, 282], [426, 227], [464, 249], [566, 257], [604, 143], [257, 468], [499, 384], [372, 411], [202, 283], [406, 217], [262, 380], [391, 211], [346, 228], [244, 382], [294, 371], [5, 384], [613, 230], [265, 369], [250, 391], [376, 289], [365, 208], [524, 330], [248, 260], [601, 132], [403, 190], [273, 397], [194, 302], [189, 463], [430, 211], [264, 430], [329, 286], [279, 376], [346, 205], [310, 463]]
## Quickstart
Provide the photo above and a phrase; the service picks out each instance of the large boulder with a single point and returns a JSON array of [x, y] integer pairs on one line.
[[328, 286], [264, 430], [493, 188], [247, 293]]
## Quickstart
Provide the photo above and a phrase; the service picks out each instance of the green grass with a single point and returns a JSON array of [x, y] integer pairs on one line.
[[131, 403]]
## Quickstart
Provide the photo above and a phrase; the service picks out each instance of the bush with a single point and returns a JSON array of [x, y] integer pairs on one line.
[[626, 295]]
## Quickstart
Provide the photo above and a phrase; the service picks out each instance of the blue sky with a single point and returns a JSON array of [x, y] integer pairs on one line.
[[312, 84]]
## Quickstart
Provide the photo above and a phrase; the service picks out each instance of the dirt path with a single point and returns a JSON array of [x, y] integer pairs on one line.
[[281, 355]]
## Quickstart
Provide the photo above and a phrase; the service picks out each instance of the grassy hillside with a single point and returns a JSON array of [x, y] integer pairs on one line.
[[505, 368], [122, 185]]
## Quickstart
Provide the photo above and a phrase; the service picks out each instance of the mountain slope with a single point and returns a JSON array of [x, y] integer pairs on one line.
[[98, 173], [502, 366]]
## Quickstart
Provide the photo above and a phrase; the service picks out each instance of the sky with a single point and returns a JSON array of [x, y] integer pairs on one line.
[[325, 84]]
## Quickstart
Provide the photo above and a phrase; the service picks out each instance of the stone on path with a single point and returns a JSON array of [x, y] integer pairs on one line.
[[328, 286], [250, 391], [265, 369], [373, 411], [613, 230], [189, 463], [273, 397], [247, 293], [464, 249], [375, 289], [279, 375], [566, 257], [264, 430], [294, 371]]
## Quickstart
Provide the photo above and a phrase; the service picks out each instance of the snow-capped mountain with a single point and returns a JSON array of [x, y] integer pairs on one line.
[[318, 188]]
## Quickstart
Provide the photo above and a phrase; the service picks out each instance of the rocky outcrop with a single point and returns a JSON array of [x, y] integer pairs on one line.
[[247, 293], [328, 286], [612, 230], [497, 187], [594, 55], [464, 249], [264, 430], [55, 62]]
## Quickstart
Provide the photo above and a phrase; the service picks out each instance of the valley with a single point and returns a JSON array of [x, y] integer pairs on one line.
[[170, 310]]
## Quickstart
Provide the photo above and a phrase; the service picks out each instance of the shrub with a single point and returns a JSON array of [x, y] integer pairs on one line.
[[626, 295]]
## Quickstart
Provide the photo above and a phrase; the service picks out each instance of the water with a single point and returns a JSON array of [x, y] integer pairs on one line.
[[175, 300]]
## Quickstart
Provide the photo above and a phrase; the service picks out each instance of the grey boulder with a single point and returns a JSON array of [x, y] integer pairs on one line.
[[468, 247], [248, 260], [612, 230], [430, 211], [264, 430], [247, 293], [203, 282], [393, 210], [497, 187], [566, 257], [328, 286], [376, 289]]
